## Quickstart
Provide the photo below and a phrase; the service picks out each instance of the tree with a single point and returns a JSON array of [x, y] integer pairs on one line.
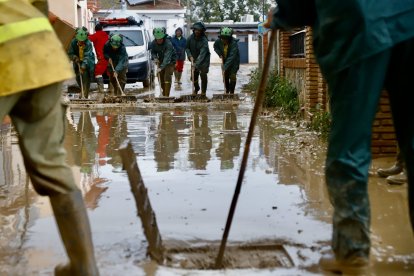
[[208, 11], [220, 10]]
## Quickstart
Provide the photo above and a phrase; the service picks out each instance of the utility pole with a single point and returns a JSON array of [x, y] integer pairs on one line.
[[188, 14], [263, 10]]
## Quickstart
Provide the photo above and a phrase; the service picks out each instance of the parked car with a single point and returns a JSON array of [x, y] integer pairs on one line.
[[136, 39]]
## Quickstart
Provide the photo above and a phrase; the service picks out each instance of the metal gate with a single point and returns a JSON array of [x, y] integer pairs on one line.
[[244, 52]]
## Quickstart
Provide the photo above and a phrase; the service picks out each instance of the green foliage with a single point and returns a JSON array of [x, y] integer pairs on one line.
[[279, 92], [321, 123], [219, 10], [255, 75], [208, 11]]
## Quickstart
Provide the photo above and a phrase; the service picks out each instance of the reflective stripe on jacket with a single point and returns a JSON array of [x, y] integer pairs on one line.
[[31, 56]]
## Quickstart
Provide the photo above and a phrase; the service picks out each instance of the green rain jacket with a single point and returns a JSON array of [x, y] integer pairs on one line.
[[346, 32], [198, 49], [164, 52], [88, 56], [232, 60], [119, 57]]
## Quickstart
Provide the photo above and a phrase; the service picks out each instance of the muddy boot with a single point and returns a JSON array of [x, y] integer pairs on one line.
[[101, 89], [178, 78], [232, 87], [72, 221], [398, 179], [203, 87], [395, 169], [175, 76], [86, 93], [196, 88], [167, 89], [355, 266], [227, 85], [111, 90]]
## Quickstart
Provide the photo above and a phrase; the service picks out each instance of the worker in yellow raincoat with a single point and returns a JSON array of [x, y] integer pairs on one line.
[[33, 65]]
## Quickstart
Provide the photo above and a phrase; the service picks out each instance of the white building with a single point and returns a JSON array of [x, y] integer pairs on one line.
[[167, 13], [76, 13]]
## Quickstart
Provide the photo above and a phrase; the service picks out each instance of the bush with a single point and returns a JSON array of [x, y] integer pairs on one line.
[[279, 92], [321, 123]]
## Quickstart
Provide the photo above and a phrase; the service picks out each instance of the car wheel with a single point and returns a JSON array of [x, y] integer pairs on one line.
[[149, 81], [146, 83]]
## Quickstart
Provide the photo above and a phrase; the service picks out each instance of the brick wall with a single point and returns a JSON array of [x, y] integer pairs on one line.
[[313, 93], [384, 142]]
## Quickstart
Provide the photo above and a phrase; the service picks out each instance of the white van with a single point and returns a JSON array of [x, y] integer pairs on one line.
[[136, 39]]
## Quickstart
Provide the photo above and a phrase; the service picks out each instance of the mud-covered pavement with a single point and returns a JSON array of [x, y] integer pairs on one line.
[[189, 156]]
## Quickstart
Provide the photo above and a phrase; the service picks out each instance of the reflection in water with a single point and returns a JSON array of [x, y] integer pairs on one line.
[[200, 141], [230, 146], [166, 143], [82, 146], [118, 134], [16, 197], [104, 123], [86, 144]]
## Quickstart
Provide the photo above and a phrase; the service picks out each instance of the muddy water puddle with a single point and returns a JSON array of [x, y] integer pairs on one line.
[[189, 157]]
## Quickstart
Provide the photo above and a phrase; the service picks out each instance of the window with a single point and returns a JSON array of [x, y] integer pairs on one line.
[[297, 44], [130, 38]]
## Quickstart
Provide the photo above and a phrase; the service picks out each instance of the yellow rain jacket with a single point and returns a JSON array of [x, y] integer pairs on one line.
[[31, 55]]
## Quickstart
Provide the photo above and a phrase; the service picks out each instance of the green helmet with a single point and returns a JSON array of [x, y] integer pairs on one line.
[[159, 33], [226, 32], [81, 34], [116, 41], [199, 26]]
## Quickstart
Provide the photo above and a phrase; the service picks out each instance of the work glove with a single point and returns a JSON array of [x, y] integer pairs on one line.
[[115, 74]]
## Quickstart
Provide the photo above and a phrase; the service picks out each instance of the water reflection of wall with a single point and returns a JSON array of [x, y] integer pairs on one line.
[[229, 147], [166, 142], [16, 198], [200, 141]]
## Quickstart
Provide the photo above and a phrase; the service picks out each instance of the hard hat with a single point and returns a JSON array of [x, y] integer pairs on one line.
[[116, 40], [226, 32], [199, 26], [81, 34], [159, 33]]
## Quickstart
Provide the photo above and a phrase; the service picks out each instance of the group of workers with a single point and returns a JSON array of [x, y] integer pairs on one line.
[[360, 47], [112, 59], [169, 54]]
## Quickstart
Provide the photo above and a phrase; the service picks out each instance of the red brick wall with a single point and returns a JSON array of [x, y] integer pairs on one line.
[[315, 94], [383, 135]]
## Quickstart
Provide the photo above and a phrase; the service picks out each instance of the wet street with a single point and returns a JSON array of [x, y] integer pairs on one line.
[[189, 155]]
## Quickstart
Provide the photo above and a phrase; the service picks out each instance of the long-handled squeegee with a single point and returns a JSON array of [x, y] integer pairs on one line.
[[257, 106]]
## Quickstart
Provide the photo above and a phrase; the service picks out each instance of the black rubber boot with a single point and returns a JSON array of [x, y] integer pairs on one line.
[[232, 86], [196, 87], [227, 85], [204, 86], [73, 223], [167, 89], [178, 77]]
